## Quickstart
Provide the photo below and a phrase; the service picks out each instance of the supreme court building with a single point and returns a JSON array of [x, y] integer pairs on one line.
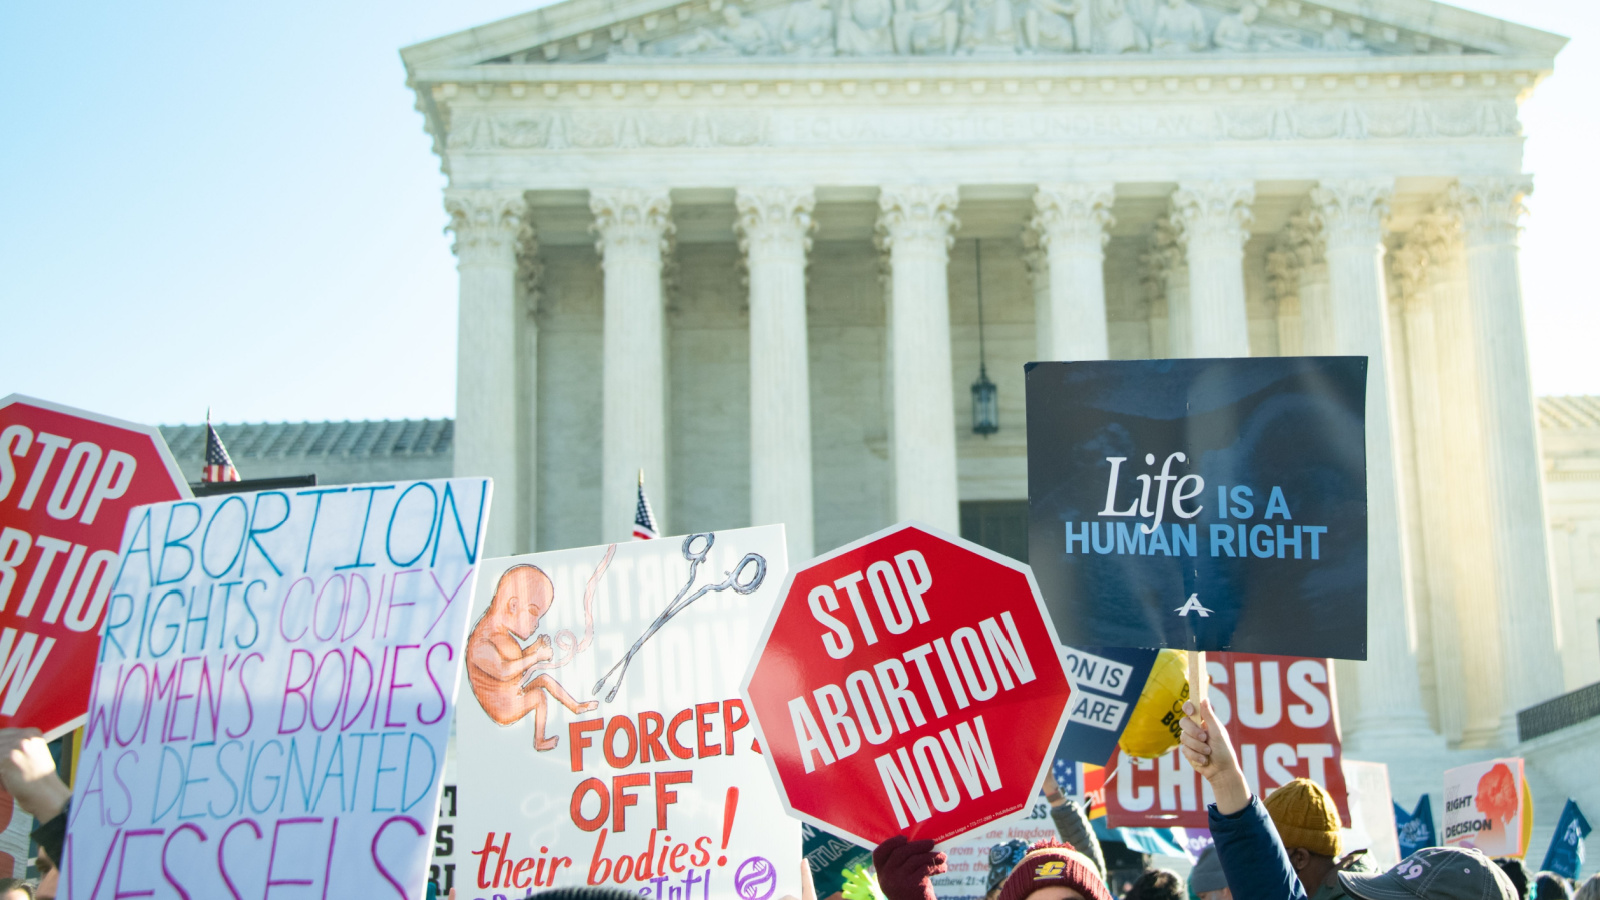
[[736, 244]]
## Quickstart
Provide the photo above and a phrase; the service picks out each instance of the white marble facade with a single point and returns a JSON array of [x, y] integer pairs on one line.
[[732, 244]]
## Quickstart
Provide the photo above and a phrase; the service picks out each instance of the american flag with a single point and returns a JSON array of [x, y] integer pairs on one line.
[[218, 466], [644, 521]]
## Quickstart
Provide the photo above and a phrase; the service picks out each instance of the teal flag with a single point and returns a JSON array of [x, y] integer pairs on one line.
[[1415, 828], [1565, 856]]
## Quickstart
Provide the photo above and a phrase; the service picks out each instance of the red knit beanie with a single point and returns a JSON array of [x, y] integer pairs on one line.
[[1054, 863]]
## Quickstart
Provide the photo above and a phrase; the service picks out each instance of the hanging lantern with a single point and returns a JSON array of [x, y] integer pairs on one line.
[[985, 405], [985, 396]]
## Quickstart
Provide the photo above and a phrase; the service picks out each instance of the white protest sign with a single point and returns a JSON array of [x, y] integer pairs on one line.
[[276, 681], [1371, 812], [604, 741], [967, 862], [1485, 805]]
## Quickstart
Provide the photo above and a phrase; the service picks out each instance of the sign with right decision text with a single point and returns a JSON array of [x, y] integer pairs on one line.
[[1485, 805], [1201, 504]]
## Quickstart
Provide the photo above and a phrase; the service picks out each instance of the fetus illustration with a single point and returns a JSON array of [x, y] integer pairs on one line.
[[503, 655]]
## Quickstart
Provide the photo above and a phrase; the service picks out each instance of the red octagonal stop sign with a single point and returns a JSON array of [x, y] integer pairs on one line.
[[909, 683], [67, 481]]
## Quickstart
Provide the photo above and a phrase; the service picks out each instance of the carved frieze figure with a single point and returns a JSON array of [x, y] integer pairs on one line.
[[808, 29], [988, 25], [925, 26], [1047, 24], [863, 27], [740, 35], [1239, 32], [1234, 32], [1179, 26], [1118, 33], [1339, 38]]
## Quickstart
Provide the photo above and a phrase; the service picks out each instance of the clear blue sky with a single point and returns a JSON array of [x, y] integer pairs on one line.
[[235, 205]]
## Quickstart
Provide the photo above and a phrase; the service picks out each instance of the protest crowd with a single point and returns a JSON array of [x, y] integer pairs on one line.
[[1258, 602], [290, 677]]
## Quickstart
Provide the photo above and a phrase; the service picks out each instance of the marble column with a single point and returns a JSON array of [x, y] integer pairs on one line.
[[485, 224], [774, 227], [1038, 266], [530, 273], [915, 225], [1416, 288], [633, 227], [1490, 209], [1215, 217], [1071, 221], [1153, 284], [1167, 247], [1352, 214], [1475, 697], [1283, 280], [1303, 238]]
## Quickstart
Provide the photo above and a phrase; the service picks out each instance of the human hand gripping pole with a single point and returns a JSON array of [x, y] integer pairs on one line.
[[28, 773], [904, 867], [1208, 749]]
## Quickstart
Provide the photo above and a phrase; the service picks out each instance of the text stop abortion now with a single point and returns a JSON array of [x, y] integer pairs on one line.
[[928, 643]]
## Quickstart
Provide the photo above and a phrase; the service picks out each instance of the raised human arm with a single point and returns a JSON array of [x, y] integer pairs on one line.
[[1252, 855], [1073, 825], [1207, 747]]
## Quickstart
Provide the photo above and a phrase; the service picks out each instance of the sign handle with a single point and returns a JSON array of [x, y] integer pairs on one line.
[[1197, 677]]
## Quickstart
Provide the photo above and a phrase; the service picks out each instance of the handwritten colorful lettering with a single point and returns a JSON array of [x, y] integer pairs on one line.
[[274, 693]]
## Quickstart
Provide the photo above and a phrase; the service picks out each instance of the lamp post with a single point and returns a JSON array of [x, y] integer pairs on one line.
[[985, 396]]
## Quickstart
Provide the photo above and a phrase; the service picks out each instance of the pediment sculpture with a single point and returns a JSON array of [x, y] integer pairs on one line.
[[822, 28]]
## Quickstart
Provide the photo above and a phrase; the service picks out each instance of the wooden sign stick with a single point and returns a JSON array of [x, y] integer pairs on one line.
[[1198, 678]]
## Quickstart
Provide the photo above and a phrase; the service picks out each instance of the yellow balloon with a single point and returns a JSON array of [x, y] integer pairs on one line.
[[1154, 724]]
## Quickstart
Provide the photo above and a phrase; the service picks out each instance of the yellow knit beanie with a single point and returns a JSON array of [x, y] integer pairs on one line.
[[1305, 816]]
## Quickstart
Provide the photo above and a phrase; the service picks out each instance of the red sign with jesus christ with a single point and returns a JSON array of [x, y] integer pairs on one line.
[[909, 683], [1283, 716], [67, 481]]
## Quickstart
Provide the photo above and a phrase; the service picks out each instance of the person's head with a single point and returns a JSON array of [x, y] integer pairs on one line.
[[1433, 873], [1589, 890], [1516, 872], [521, 598], [15, 889], [1206, 881], [1053, 870], [1002, 859], [1307, 821], [1156, 884], [1550, 886]]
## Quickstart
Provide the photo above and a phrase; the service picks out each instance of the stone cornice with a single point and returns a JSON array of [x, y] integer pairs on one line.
[[1218, 68]]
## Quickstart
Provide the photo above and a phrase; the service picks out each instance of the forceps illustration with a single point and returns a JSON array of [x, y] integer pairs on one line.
[[695, 548]]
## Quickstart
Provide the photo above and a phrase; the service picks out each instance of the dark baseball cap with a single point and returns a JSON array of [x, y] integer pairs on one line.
[[1434, 873]]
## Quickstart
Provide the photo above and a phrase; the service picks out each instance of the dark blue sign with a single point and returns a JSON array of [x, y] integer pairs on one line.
[[1203, 504], [829, 856], [1565, 856], [1415, 829], [1106, 682]]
